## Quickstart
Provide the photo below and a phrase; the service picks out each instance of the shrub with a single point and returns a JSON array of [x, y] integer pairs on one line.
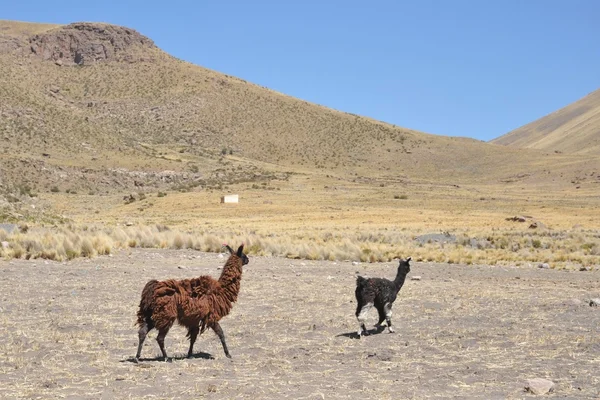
[[87, 249], [25, 190], [49, 254], [71, 254], [178, 242], [18, 251], [587, 246]]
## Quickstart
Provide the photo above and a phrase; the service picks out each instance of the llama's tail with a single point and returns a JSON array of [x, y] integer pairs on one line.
[[146, 302], [359, 293]]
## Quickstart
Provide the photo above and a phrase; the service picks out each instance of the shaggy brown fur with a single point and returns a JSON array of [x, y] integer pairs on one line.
[[197, 303]]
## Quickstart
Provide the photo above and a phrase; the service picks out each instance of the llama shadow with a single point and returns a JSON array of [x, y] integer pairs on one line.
[[354, 335], [205, 356]]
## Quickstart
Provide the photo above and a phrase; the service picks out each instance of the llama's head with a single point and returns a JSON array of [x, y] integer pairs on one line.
[[404, 265], [239, 253]]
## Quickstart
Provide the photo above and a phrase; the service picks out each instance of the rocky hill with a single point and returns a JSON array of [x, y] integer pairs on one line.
[[80, 43]]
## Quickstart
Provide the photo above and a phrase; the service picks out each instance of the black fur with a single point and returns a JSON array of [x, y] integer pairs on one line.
[[379, 292]]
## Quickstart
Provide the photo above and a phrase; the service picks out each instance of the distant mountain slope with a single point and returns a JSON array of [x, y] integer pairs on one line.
[[572, 129], [95, 107]]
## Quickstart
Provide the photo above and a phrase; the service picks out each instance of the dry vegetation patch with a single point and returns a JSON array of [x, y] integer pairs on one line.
[[322, 217]]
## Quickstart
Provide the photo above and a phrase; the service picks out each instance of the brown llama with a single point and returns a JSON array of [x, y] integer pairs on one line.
[[197, 303]]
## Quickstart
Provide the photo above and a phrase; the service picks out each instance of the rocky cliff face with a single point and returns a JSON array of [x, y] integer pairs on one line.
[[85, 43]]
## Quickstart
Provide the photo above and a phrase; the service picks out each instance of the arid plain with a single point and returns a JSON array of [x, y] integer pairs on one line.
[[461, 332]]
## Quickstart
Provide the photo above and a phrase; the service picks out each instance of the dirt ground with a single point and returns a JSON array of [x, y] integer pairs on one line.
[[475, 332]]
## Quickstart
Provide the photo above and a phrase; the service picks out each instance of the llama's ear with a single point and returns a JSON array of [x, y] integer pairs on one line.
[[228, 248], [240, 251], [408, 259]]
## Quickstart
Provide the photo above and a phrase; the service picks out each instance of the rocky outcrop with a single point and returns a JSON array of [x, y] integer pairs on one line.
[[86, 43]]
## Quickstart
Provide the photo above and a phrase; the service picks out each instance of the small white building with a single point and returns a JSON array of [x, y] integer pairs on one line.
[[230, 198]]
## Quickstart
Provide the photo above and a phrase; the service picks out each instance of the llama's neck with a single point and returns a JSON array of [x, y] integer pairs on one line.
[[232, 274], [400, 278]]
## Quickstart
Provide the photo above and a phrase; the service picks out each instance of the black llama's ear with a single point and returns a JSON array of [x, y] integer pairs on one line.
[[408, 259], [240, 251], [228, 248]]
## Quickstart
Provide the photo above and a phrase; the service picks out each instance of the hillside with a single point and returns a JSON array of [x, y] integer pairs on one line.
[[99, 109], [572, 129]]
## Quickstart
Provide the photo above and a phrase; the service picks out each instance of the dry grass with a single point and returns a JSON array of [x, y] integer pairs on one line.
[[19, 28], [320, 216], [560, 249], [345, 222]]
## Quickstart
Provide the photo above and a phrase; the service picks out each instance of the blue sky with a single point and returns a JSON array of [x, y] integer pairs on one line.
[[475, 68]]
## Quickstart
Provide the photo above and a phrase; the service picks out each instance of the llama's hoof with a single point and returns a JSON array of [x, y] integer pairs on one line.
[[391, 330], [136, 360], [228, 355]]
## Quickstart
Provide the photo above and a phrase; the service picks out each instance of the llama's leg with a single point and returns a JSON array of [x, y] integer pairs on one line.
[[361, 315], [217, 328], [143, 331], [162, 332], [381, 312], [193, 334], [388, 316], [359, 307]]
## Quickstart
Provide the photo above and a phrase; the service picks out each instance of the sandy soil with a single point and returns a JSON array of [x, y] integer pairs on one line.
[[476, 332]]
